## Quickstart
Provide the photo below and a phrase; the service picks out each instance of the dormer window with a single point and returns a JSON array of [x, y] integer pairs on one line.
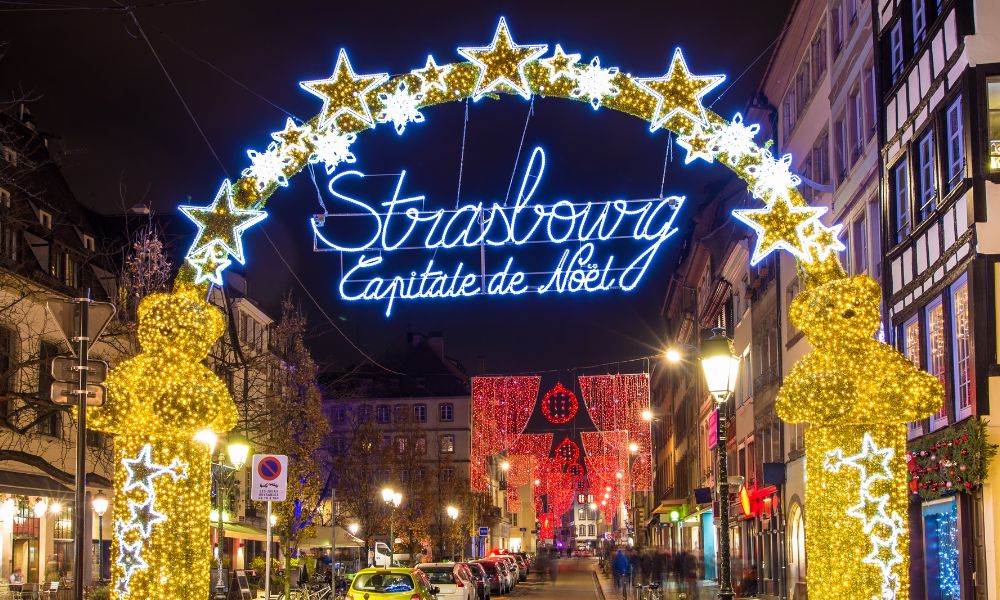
[[88, 243], [4, 198], [9, 155], [45, 218]]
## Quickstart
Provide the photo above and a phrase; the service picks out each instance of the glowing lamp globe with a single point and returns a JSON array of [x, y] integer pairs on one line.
[[452, 512], [100, 504], [720, 365], [673, 356], [633, 448], [40, 508], [397, 499], [7, 510], [238, 450], [353, 528], [387, 494]]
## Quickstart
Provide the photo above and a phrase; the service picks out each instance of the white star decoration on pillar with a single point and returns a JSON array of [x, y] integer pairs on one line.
[[872, 464]]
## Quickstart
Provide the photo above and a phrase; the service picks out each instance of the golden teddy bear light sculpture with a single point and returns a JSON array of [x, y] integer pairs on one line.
[[857, 394], [157, 402]]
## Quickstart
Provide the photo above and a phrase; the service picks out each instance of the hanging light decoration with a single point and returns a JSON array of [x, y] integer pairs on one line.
[[559, 405]]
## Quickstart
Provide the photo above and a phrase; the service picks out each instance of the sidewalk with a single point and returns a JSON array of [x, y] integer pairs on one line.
[[606, 585]]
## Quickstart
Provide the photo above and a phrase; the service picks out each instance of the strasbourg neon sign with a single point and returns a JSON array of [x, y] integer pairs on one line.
[[583, 231]]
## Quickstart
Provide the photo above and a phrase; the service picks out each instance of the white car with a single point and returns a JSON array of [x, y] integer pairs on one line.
[[453, 580]]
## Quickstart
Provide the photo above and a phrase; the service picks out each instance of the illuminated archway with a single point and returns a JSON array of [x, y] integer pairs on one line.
[[857, 393]]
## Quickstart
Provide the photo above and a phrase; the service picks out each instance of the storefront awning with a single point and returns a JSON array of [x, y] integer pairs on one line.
[[238, 531], [32, 484], [324, 538]]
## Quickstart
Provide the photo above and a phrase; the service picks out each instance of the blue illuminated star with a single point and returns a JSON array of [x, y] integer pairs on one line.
[[221, 223], [501, 64], [678, 92]]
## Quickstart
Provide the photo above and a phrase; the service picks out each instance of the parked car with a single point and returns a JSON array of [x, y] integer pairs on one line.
[[513, 566], [508, 576], [377, 583], [453, 580], [527, 562], [522, 566], [498, 582], [482, 579]]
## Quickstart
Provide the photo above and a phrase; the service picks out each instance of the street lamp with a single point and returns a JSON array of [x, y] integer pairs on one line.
[[237, 450], [392, 499], [721, 367], [100, 505], [353, 528], [453, 513], [673, 355]]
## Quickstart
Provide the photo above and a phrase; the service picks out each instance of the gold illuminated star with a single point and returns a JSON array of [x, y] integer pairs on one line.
[[560, 63], [292, 137], [501, 64], [779, 226], [824, 240], [221, 223], [344, 92], [210, 264], [699, 144], [679, 92], [432, 76]]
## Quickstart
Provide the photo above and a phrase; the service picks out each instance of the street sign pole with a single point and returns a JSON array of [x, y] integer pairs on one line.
[[80, 512], [267, 554]]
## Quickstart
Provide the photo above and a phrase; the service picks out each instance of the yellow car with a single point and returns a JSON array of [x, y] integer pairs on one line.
[[394, 583]]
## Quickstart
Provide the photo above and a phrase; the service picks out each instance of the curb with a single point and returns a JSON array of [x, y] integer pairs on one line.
[[597, 586]]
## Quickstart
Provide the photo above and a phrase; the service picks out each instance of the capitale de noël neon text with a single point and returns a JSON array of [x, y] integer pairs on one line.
[[401, 224]]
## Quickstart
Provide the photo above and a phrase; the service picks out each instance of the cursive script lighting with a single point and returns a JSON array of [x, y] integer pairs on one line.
[[401, 223]]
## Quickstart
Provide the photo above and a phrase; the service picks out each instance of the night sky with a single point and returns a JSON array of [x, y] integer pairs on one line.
[[237, 63]]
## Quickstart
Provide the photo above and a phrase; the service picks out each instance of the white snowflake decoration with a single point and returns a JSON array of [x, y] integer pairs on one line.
[[331, 147], [400, 107], [736, 139], [772, 177], [595, 83], [267, 167]]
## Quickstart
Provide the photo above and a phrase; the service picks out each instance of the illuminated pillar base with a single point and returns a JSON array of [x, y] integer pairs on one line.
[[857, 544]]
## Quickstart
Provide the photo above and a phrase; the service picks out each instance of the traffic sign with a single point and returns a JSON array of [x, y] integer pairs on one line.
[[484, 531], [65, 392], [269, 477], [64, 368], [66, 314], [524, 529]]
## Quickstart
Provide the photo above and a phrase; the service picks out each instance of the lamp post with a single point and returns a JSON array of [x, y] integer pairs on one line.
[[238, 450], [392, 499], [453, 513], [100, 505], [721, 368]]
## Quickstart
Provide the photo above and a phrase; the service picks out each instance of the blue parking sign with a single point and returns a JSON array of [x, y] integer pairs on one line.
[[484, 531]]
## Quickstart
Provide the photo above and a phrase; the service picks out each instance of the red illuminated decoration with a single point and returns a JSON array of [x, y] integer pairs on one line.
[[745, 502], [501, 407], [606, 455], [616, 403], [568, 451], [559, 405]]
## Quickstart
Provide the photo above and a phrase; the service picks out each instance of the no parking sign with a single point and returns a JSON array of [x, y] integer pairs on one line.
[[270, 477]]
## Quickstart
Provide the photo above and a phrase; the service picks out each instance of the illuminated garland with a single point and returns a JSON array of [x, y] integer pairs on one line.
[[567, 451], [616, 403], [606, 455], [353, 102], [948, 555], [501, 407], [953, 459]]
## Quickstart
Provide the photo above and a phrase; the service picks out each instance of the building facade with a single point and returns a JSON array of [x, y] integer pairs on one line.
[[938, 68]]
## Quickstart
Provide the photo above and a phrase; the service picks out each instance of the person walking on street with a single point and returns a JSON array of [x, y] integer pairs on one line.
[[620, 567]]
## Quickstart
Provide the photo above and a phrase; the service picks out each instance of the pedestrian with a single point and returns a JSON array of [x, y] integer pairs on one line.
[[620, 567], [16, 580]]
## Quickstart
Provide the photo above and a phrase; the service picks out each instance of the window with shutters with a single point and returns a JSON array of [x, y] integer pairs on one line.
[[955, 140], [935, 354], [926, 186], [965, 383], [901, 199]]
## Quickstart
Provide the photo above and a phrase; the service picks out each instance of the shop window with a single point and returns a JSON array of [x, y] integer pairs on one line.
[[926, 190], [993, 116], [965, 383], [911, 350], [935, 354], [901, 199], [955, 140], [797, 551], [941, 550]]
